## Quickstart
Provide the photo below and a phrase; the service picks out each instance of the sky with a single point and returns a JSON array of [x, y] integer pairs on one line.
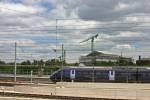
[[40, 26]]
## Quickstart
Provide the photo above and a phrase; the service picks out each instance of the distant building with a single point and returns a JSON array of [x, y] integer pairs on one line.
[[143, 61], [97, 57]]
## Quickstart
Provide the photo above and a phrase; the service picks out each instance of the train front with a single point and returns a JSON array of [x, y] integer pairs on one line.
[[67, 75]]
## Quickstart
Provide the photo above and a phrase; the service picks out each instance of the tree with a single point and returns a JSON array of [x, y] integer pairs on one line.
[[48, 63], [124, 62], [26, 62], [35, 62], [2, 62], [41, 62]]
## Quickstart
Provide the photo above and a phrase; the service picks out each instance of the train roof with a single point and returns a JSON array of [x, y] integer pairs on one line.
[[109, 67], [87, 67]]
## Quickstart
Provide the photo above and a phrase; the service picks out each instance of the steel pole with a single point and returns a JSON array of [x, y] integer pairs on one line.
[[92, 44], [93, 75], [62, 59], [15, 69], [56, 42]]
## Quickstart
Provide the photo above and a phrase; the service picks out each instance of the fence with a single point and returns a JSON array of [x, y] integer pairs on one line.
[[26, 69]]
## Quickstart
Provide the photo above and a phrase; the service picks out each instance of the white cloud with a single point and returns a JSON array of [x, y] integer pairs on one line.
[[124, 46], [22, 42], [109, 18], [121, 6], [31, 2], [129, 34], [7, 8]]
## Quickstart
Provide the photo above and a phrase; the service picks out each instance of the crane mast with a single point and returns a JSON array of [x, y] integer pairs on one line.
[[92, 38]]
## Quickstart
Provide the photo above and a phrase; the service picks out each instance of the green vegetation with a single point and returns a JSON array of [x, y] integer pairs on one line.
[[37, 66], [104, 63], [143, 62], [27, 69], [120, 62]]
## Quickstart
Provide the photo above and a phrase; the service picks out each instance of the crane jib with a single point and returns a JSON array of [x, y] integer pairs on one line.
[[92, 41]]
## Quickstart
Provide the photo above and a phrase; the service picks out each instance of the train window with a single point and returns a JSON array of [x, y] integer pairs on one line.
[[146, 74], [66, 73], [105, 74], [84, 73], [111, 73], [73, 71], [90, 72], [98, 73], [79, 73], [122, 74]]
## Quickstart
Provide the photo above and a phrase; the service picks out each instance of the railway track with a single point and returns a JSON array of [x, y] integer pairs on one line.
[[51, 96], [64, 91]]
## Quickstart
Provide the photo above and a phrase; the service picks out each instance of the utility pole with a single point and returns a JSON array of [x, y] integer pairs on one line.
[[62, 59], [15, 69], [64, 56], [120, 59], [56, 42], [93, 74]]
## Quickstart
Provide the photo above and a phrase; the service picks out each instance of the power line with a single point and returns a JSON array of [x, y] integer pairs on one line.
[[111, 23], [82, 50], [81, 19], [21, 44], [73, 18], [80, 29], [23, 12], [31, 28]]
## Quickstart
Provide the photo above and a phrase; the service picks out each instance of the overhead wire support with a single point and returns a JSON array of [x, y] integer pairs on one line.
[[15, 69], [56, 39], [62, 60]]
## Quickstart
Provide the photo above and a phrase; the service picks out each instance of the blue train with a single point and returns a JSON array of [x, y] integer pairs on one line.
[[102, 74]]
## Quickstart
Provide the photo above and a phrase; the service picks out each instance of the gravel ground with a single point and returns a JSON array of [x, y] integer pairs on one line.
[[19, 98], [101, 90]]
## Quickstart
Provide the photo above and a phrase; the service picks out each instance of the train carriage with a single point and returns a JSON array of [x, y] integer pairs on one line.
[[102, 74]]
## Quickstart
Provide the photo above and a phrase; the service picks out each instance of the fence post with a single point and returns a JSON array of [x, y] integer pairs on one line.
[[31, 75]]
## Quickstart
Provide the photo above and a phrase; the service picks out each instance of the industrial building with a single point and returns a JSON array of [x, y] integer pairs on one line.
[[96, 56]]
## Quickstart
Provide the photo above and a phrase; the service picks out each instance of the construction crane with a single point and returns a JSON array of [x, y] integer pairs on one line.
[[92, 41]]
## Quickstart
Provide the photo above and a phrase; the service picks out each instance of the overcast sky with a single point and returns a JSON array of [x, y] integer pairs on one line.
[[122, 25]]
